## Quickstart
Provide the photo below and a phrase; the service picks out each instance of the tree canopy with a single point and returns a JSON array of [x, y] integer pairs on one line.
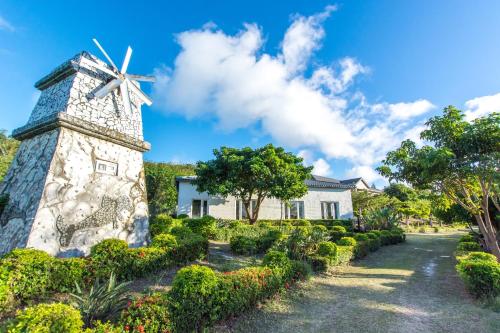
[[160, 185], [462, 163], [253, 174]]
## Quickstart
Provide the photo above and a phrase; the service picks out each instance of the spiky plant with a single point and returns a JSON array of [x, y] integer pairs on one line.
[[102, 300]]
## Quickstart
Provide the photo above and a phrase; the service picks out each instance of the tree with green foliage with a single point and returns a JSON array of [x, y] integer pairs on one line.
[[463, 164], [8, 149], [160, 185], [366, 205], [253, 174]]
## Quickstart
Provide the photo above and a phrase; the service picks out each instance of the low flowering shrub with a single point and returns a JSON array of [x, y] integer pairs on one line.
[[146, 314], [56, 317]]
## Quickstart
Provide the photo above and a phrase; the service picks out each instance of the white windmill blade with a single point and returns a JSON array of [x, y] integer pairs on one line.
[[99, 67], [140, 77], [125, 96], [105, 54], [108, 88], [126, 60], [145, 98]]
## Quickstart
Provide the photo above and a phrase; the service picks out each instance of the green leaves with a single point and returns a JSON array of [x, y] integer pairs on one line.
[[8, 149], [253, 173]]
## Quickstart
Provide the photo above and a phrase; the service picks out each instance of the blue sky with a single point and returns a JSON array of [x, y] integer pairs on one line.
[[338, 82]]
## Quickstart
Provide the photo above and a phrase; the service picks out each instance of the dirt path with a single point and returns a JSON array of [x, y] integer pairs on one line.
[[411, 287]]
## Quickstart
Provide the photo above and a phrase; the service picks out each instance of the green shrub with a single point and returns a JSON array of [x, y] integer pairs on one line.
[[65, 272], [145, 260], [327, 249], [436, 229], [372, 235], [481, 256], [482, 277], [361, 249], [181, 231], [182, 216], [266, 241], [192, 298], [276, 259], [301, 270], [204, 226], [147, 313], [110, 255], [107, 327], [25, 273], [347, 241], [53, 318], [467, 238], [376, 233], [468, 246], [164, 241], [190, 248], [421, 230], [339, 228], [301, 223], [160, 224], [344, 254], [319, 263], [243, 245], [385, 237], [361, 237]]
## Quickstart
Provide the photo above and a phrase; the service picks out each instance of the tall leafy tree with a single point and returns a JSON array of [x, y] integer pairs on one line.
[[253, 174], [160, 185], [463, 163], [8, 149]]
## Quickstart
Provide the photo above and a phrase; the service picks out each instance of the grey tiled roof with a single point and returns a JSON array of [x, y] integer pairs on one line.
[[315, 181]]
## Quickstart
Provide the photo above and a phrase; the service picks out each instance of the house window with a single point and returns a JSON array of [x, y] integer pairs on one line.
[[295, 210], [199, 208], [329, 210], [241, 212]]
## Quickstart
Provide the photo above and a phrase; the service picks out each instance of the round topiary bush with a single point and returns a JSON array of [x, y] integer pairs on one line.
[[327, 249], [53, 318], [301, 223], [164, 241], [191, 296], [205, 226], [347, 241], [482, 277], [339, 228]]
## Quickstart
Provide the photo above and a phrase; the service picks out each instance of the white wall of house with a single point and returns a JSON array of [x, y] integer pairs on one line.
[[225, 208]]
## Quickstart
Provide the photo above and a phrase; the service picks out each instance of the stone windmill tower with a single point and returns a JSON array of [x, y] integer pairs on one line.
[[78, 175]]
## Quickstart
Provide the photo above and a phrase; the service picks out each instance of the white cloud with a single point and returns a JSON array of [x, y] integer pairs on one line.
[[228, 78], [6, 25], [482, 106], [321, 167], [368, 173], [404, 111]]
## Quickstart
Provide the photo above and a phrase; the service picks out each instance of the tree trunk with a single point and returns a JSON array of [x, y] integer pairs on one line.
[[490, 239]]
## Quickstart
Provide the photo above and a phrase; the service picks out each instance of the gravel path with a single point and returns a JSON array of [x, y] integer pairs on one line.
[[410, 287]]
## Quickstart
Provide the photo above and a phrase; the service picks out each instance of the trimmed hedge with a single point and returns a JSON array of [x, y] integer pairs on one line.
[[200, 297], [28, 273], [53, 318], [482, 277]]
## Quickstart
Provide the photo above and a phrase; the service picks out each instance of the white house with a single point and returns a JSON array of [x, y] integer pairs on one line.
[[326, 198], [361, 184]]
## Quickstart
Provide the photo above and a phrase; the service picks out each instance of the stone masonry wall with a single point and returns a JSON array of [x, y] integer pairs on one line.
[[25, 183]]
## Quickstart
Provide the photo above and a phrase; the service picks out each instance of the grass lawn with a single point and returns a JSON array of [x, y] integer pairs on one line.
[[410, 287]]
